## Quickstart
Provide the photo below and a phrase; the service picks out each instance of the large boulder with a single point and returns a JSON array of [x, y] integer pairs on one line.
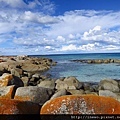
[[7, 92], [73, 83], [5, 79], [85, 104], [111, 85], [34, 94], [16, 72], [30, 67], [47, 84], [110, 94], [11, 106], [68, 83], [8, 79], [62, 85], [107, 93]]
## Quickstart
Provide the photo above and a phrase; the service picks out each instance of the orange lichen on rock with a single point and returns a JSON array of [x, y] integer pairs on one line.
[[11, 106], [23, 98], [5, 78], [85, 104], [7, 92]]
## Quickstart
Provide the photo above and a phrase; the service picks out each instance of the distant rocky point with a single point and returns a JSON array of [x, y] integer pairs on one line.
[[97, 61], [29, 69]]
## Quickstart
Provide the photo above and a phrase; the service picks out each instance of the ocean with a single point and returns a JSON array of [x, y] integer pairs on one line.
[[82, 71]]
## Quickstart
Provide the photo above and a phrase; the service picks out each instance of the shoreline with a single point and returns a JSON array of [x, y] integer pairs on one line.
[[22, 79]]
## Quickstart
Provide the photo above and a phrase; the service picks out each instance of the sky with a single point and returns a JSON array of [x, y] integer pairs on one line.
[[37, 27]]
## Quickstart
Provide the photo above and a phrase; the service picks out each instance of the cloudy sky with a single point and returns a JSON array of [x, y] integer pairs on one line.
[[59, 26]]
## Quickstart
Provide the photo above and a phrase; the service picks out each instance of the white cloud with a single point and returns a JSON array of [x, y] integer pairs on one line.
[[47, 47], [13, 3], [86, 47], [71, 36], [69, 47], [77, 31], [60, 38], [39, 18]]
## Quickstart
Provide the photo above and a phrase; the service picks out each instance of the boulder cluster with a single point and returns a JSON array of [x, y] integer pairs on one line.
[[97, 61], [24, 89]]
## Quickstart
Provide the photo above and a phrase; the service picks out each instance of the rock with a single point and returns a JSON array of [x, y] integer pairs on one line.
[[85, 104], [107, 93], [8, 79], [59, 80], [88, 86], [34, 94], [30, 67], [34, 81], [11, 106], [47, 84], [22, 57], [95, 87], [99, 61], [3, 66], [16, 81], [73, 83], [110, 94], [90, 61], [5, 79], [91, 93], [59, 93], [25, 80], [36, 75], [116, 61], [68, 83], [54, 63], [111, 85], [106, 61], [7, 92], [16, 72], [61, 85], [76, 92], [111, 60]]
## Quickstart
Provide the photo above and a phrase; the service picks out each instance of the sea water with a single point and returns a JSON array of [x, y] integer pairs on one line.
[[83, 71]]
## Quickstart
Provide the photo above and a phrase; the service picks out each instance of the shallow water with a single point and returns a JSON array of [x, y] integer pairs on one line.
[[83, 71]]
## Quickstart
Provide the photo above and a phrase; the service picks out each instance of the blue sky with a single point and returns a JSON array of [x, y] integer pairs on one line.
[[59, 26]]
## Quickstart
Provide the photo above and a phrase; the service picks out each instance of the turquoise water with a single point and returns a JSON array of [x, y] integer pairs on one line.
[[83, 71]]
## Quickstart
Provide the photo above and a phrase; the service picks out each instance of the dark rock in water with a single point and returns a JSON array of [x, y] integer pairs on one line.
[[97, 61], [34, 94]]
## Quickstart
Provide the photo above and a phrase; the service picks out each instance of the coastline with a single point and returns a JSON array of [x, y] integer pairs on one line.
[[22, 77]]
